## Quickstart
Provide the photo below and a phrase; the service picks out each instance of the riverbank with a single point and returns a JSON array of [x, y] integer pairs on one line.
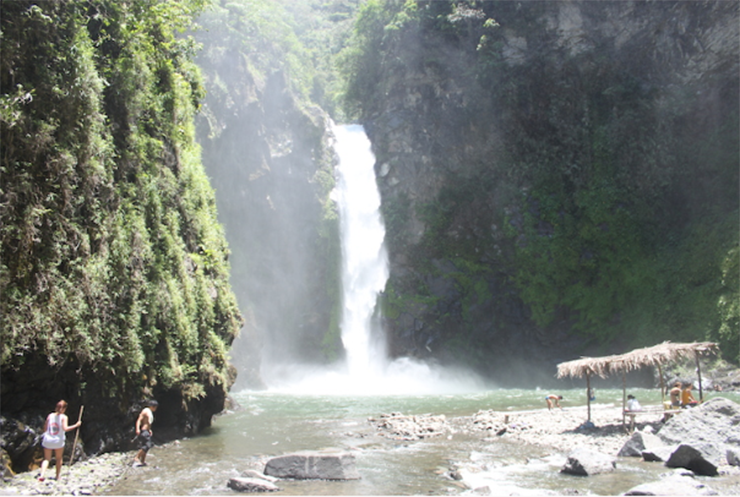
[[90, 477]]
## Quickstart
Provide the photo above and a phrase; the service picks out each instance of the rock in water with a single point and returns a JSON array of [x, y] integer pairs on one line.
[[252, 485], [310, 465], [586, 462]]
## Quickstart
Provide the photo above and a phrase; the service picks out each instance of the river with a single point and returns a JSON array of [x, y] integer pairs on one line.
[[273, 423]]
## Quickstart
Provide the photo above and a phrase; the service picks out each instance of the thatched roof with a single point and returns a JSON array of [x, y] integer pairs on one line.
[[649, 356]]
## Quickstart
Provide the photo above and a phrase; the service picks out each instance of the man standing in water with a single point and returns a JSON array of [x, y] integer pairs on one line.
[[144, 432]]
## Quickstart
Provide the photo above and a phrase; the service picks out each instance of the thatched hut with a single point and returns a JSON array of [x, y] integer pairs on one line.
[[657, 355]]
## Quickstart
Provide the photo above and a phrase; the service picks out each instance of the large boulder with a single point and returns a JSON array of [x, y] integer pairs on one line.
[[586, 462], [638, 443], [716, 421], [324, 465], [702, 459]]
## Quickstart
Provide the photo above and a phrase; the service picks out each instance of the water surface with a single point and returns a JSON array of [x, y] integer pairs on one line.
[[271, 424]]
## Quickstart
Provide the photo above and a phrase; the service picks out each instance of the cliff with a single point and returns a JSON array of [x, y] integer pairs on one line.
[[113, 268], [557, 178]]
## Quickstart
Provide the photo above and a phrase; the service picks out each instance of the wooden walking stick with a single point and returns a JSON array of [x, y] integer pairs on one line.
[[77, 435]]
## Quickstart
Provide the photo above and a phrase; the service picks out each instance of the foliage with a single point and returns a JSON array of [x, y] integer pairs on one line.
[[112, 257]]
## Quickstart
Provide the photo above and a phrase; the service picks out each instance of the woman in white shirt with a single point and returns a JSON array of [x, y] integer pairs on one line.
[[55, 427], [632, 404]]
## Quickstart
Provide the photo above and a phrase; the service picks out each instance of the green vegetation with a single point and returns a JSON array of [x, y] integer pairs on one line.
[[112, 260]]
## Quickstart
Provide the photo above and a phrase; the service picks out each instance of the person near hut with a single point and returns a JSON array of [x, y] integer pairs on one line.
[[633, 404], [553, 400], [676, 392], [687, 396], [55, 426]]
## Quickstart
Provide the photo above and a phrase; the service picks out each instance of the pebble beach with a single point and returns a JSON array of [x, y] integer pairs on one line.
[[563, 430]]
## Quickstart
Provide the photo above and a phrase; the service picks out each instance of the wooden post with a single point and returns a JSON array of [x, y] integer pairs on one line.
[[588, 394], [662, 385], [624, 395], [698, 373], [77, 435]]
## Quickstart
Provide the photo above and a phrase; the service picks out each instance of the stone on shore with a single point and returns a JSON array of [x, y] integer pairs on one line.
[[672, 485], [587, 462], [702, 459], [401, 427], [638, 443], [325, 465], [241, 484]]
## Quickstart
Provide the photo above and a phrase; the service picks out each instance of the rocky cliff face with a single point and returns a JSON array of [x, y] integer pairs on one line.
[[464, 119], [271, 164]]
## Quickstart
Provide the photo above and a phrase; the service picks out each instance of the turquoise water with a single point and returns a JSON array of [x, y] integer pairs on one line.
[[271, 424]]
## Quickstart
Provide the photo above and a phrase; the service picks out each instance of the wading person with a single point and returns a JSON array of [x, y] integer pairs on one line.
[[553, 400], [144, 432], [55, 427]]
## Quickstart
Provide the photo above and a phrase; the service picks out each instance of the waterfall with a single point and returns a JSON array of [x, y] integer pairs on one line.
[[364, 259], [367, 370]]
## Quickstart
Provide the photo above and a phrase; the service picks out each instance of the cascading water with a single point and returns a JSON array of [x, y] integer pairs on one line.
[[365, 262]]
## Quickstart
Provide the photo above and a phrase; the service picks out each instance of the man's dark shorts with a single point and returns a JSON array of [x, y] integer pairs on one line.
[[145, 440]]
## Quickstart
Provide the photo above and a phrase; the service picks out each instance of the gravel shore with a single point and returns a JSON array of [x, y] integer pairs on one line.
[[89, 477], [563, 429]]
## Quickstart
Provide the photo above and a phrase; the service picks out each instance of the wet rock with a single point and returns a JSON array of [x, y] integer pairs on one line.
[[327, 465], [586, 462], [241, 484], [702, 459], [638, 443], [672, 485]]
